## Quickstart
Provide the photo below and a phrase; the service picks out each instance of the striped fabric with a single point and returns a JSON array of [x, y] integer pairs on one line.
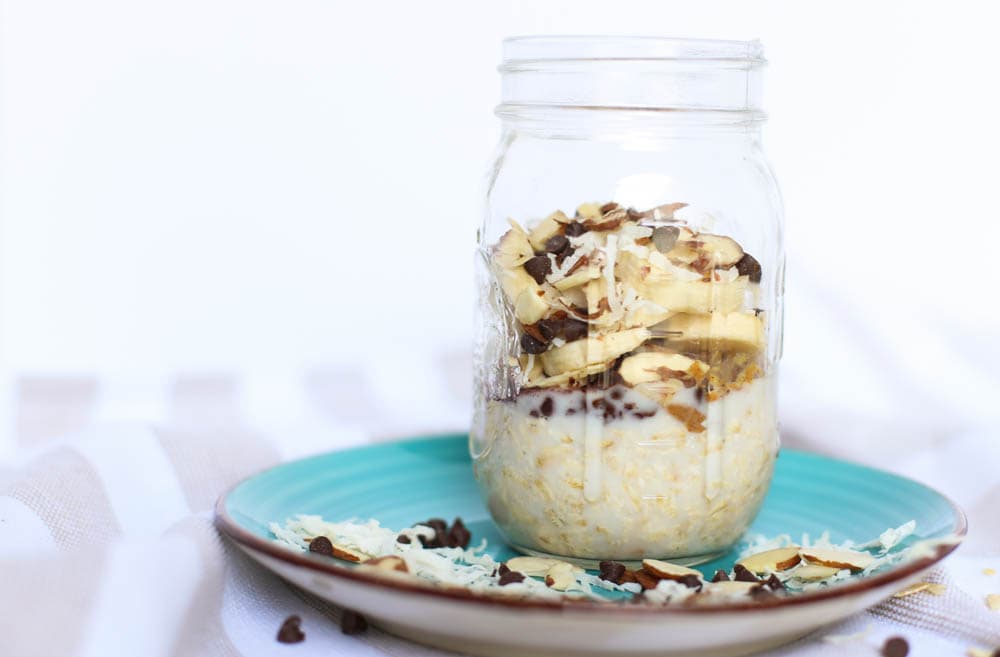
[[107, 547]]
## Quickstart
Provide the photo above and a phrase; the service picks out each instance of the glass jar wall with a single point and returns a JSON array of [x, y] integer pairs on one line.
[[630, 266]]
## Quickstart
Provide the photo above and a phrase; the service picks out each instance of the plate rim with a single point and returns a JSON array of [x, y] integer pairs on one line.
[[231, 529]]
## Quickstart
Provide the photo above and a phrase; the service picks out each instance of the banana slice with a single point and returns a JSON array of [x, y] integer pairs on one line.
[[531, 366], [694, 296], [589, 210], [581, 354], [579, 277], [647, 366], [524, 294], [725, 332], [646, 314], [513, 249], [567, 377], [546, 228]]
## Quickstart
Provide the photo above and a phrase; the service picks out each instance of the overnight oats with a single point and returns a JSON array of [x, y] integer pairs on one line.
[[628, 405]]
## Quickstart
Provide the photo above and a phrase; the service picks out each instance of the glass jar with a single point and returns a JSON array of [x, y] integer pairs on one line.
[[630, 269]]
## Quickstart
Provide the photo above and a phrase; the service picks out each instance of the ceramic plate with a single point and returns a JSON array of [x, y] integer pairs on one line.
[[404, 482]]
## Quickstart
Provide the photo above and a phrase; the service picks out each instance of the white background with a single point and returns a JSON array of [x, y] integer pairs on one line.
[[242, 185]]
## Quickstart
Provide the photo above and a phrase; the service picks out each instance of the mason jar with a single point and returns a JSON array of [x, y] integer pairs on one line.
[[630, 269]]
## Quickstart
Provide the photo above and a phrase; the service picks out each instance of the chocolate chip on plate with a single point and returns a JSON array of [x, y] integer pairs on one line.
[[557, 244], [748, 266], [742, 574], [351, 622], [774, 583], [575, 229], [290, 632], [538, 267], [895, 646], [574, 329], [532, 345], [511, 577], [547, 407], [459, 535], [402, 538], [503, 569], [720, 576], [440, 528], [612, 571], [321, 545], [691, 581]]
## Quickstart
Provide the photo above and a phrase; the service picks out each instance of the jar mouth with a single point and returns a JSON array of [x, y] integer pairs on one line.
[[521, 52], [632, 72]]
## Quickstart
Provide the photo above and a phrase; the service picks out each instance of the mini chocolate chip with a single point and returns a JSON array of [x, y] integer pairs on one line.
[[321, 545], [503, 569], [532, 345], [557, 244], [896, 646], [549, 328], [494, 573], [459, 535], [538, 267], [440, 528], [547, 407], [290, 632], [629, 406], [575, 229], [774, 583], [742, 574], [574, 329], [511, 577], [534, 413], [612, 571], [691, 581], [748, 266], [405, 540], [351, 622], [720, 576], [664, 237], [616, 394]]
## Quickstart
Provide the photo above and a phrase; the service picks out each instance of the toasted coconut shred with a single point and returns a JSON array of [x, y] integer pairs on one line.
[[473, 570]]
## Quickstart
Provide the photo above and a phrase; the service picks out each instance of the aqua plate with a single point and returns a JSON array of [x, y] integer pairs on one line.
[[402, 482]]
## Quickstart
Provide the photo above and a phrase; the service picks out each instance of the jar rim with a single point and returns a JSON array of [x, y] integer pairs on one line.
[[519, 51]]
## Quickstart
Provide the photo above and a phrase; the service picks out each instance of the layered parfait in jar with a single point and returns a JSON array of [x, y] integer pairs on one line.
[[627, 404]]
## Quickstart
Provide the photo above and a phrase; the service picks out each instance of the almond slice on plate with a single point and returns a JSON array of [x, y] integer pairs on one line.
[[536, 566], [665, 570], [560, 576], [813, 572], [772, 561], [388, 563], [349, 554], [731, 588], [841, 559]]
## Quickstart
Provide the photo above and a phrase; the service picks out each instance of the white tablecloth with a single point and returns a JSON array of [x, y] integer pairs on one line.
[[107, 546]]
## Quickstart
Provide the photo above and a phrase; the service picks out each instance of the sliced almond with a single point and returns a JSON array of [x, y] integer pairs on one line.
[[814, 573], [560, 576], [666, 570], [855, 561], [921, 587], [348, 554], [537, 566], [993, 601], [772, 561], [387, 563], [731, 588]]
